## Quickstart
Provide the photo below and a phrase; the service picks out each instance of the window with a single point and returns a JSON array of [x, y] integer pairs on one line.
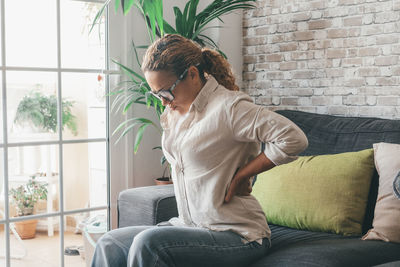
[[55, 128]]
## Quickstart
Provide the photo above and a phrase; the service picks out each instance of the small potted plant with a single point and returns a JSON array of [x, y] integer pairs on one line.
[[24, 198], [166, 176]]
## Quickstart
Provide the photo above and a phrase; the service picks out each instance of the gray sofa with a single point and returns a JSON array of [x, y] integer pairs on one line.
[[291, 247]]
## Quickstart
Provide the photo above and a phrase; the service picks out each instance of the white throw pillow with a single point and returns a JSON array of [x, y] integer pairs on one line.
[[386, 223]]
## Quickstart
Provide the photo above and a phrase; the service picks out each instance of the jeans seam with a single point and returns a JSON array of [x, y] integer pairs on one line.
[[118, 243]]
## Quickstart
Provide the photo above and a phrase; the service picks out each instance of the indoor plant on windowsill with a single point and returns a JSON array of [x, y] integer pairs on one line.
[[24, 197], [189, 23], [40, 112]]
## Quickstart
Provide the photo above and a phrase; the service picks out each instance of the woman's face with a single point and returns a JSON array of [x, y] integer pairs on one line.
[[184, 92]]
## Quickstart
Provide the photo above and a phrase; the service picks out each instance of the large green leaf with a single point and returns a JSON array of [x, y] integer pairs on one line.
[[97, 18], [139, 136], [130, 71]]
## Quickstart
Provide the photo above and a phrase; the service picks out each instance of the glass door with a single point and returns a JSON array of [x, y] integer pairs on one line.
[[54, 179]]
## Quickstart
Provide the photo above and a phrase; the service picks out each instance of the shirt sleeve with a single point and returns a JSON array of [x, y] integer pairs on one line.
[[283, 139]]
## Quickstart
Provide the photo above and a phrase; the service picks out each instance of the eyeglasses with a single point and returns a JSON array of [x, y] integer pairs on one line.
[[167, 94]]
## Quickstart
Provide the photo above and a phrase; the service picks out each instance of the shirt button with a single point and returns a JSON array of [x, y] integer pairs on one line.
[[272, 122]]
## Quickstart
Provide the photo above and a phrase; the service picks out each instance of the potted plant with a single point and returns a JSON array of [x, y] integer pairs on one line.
[[189, 23], [40, 111], [24, 198]]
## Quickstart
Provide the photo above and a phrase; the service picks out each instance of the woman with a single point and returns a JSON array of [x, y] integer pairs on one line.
[[212, 135]]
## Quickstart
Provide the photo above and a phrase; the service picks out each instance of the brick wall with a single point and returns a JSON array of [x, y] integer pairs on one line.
[[338, 57]]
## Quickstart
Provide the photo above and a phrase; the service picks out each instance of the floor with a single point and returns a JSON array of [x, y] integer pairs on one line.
[[43, 251]]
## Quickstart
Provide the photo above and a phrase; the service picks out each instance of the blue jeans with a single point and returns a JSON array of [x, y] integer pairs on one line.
[[151, 246]]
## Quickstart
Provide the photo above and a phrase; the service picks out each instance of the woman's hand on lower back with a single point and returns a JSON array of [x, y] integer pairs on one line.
[[241, 184], [239, 187]]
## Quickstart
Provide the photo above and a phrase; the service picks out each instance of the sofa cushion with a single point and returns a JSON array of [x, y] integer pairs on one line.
[[331, 252], [326, 193], [282, 236], [386, 224]]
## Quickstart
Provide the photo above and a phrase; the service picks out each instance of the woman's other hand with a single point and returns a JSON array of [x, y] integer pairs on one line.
[[241, 184], [239, 187]]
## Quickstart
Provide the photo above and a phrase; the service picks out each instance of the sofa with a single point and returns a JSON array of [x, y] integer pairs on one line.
[[326, 134]]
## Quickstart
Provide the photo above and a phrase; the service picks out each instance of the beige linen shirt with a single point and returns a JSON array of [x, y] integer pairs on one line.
[[221, 133]]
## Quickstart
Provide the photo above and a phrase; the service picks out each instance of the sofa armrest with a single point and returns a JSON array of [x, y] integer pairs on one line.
[[146, 205]]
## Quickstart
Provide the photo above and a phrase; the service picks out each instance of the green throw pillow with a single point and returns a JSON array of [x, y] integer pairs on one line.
[[326, 193]]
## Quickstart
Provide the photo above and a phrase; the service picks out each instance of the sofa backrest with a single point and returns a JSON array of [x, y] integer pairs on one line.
[[329, 134]]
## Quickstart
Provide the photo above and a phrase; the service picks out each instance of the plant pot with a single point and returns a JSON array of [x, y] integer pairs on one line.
[[163, 181], [26, 229], [25, 211]]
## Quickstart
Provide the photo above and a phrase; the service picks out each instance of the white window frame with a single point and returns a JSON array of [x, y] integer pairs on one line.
[[60, 142]]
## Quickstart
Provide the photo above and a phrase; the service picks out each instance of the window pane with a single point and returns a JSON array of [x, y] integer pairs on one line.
[[1, 108], [85, 180], [86, 93], [2, 194], [41, 250], [86, 229], [33, 169], [79, 49], [2, 243], [31, 106], [31, 33]]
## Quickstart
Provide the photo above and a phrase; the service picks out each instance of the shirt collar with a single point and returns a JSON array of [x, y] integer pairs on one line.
[[201, 99], [199, 102]]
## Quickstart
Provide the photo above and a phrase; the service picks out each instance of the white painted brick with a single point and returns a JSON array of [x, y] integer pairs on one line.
[[368, 61], [387, 81], [276, 100], [337, 22], [368, 19], [337, 100], [304, 83], [353, 110], [315, 64], [287, 75], [304, 101], [386, 17], [307, 76], [349, 73], [371, 100], [322, 110], [302, 26], [320, 35], [275, 11], [318, 91], [390, 28], [319, 54], [336, 63], [354, 100], [303, 46], [371, 80], [386, 71], [386, 50], [316, 14], [333, 3], [340, 91], [387, 100]]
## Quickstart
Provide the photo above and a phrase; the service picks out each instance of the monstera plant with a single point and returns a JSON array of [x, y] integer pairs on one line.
[[190, 23]]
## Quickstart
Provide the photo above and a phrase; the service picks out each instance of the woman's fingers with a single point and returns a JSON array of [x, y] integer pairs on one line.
[[239, 187], [231, 190]]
